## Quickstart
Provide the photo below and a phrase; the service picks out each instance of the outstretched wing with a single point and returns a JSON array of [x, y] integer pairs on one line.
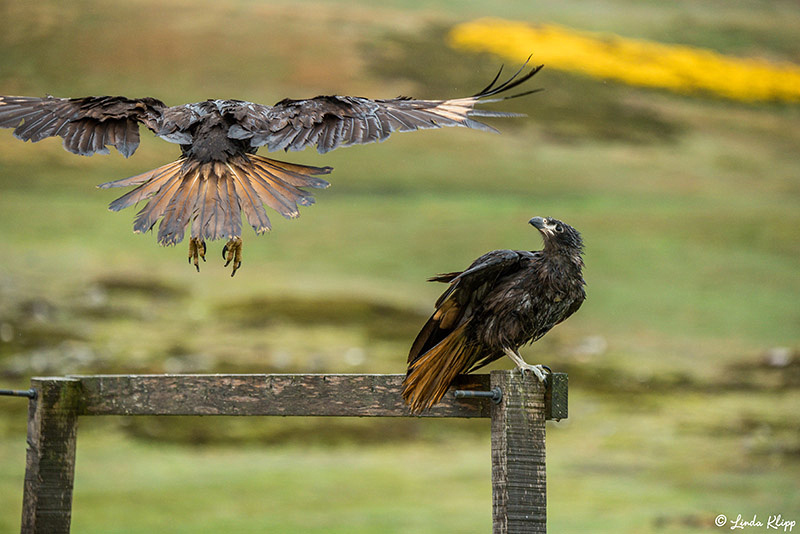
[[88, 125], [330, 122]]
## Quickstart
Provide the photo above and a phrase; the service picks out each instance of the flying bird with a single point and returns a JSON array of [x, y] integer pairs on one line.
[[505, 299], [219, 175]]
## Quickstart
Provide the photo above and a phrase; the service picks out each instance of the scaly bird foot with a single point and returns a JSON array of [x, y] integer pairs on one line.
[[232, 252], [197, 250], [539, 370]]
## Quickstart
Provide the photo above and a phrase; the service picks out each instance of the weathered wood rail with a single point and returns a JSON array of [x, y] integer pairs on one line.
[[517, 425]]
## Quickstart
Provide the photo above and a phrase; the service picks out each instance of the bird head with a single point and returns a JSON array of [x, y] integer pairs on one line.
[[557, 234]]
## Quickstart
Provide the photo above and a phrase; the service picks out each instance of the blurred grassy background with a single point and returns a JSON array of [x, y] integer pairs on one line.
[[685, 377]]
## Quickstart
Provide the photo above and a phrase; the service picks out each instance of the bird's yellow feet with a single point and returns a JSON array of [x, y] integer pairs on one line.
[[197, 251], [232, 252]]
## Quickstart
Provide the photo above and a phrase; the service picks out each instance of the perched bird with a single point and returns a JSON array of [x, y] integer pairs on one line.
[[505, 299], [219, 175]]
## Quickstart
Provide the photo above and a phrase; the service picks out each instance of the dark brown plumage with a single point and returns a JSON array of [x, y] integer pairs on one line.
[[505, 299], [218, 175]]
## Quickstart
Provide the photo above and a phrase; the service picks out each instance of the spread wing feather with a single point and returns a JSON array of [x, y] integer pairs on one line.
[[329, 122], [87, 125]]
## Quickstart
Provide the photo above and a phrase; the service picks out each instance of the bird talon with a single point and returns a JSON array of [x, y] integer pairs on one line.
[[538, 370], [197, 251], [232, 252]]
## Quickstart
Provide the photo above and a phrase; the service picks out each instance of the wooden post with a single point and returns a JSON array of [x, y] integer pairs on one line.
[[519, 499], [50, 464]]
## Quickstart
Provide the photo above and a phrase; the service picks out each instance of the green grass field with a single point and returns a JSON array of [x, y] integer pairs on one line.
[[689, 207]]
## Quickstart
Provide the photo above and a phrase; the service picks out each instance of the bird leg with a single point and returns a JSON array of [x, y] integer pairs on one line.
[[197, 249], [232, 252], [538, 370]]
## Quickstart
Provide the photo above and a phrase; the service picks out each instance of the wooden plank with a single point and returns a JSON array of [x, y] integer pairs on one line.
[[273, 394], [50, 463], [519, 498]]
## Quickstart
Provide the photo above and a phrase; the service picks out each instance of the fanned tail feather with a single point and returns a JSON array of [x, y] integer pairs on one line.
[[151, 184], [228, 216], [180, 210], [296, 174], [206, 203], [252, 205], [212, 195], [154, 210], [430, 374]]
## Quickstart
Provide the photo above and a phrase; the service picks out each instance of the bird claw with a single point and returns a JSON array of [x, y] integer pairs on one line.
[[540, 371], [197, 250], [232, 252]]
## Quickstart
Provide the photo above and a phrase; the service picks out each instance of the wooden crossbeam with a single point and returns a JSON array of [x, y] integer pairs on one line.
[[341, 395]]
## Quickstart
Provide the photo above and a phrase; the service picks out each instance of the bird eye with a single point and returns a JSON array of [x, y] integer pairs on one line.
[[559, 228]]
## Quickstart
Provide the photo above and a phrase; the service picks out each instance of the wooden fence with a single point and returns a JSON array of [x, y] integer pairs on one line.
[[517, 425]]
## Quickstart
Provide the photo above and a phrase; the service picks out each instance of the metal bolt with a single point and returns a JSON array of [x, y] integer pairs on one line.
[[496, 394], [30, 393]]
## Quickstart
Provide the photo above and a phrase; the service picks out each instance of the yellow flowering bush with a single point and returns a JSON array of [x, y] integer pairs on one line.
[[683, 69]]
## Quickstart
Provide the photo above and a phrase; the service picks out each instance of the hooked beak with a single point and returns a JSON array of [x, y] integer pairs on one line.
[[537, 222]]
